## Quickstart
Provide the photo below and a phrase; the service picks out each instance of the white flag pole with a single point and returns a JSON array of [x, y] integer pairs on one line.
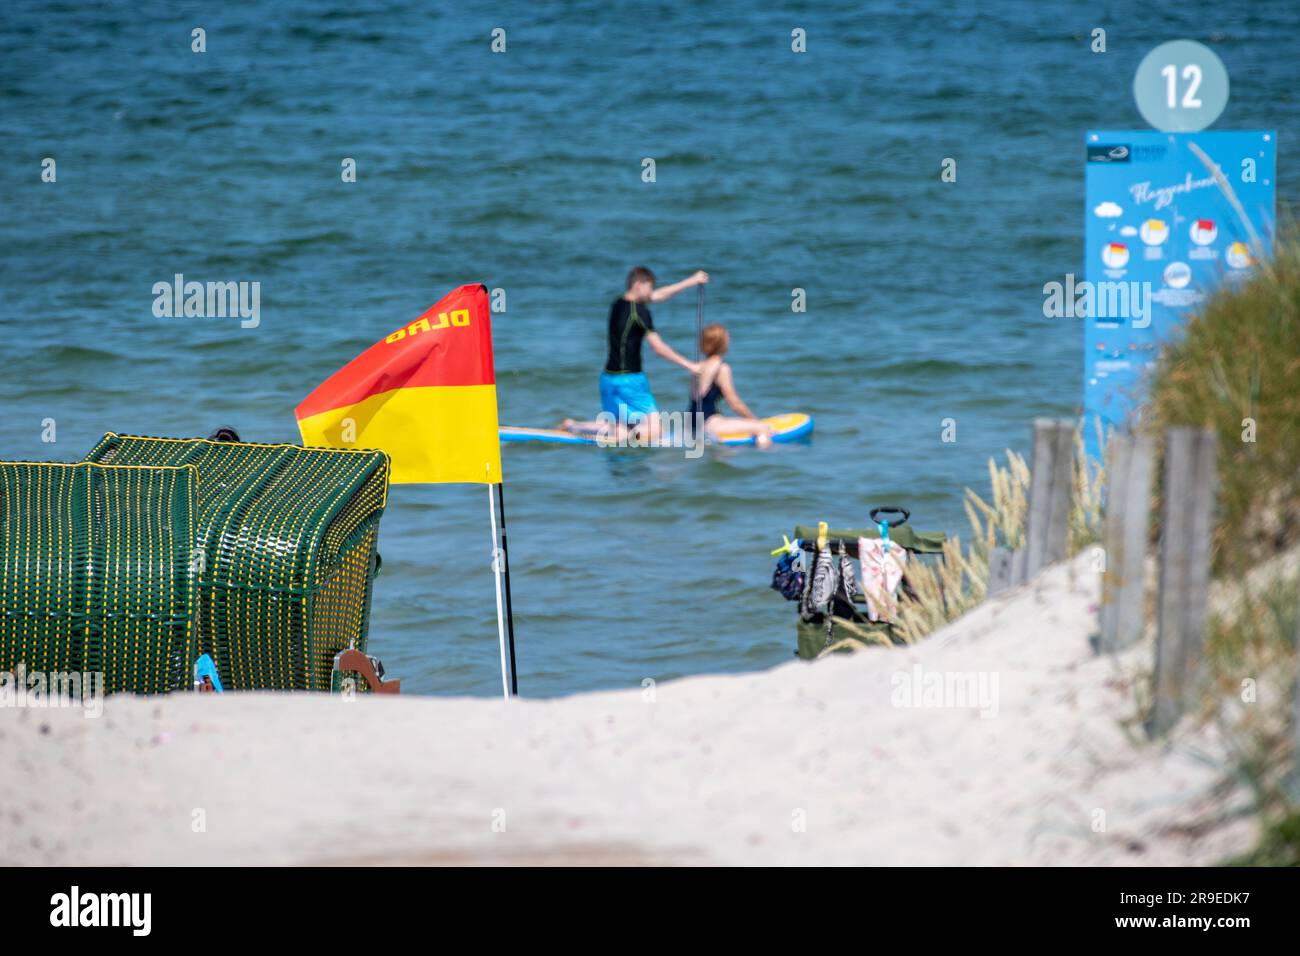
[[498, 559]]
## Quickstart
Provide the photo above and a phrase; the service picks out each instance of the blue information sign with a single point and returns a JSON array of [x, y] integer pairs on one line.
[[1161, 234]]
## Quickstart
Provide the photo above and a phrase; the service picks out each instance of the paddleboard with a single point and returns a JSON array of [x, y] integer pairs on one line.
[[789, 427]]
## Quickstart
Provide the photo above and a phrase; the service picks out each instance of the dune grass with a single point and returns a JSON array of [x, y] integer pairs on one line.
[[947, 589], [1236, 370], [1278, 846]]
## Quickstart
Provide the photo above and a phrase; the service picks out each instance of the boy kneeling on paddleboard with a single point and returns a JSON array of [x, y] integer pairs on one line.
[[624, 389]]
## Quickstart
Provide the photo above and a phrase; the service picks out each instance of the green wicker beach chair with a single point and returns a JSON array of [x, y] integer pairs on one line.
[[285, 538], [95, 573]]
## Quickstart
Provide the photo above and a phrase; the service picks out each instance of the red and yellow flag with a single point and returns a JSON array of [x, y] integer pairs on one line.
[[426, 394]]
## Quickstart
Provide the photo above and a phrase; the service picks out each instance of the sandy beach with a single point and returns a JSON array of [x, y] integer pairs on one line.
[[803, 764]]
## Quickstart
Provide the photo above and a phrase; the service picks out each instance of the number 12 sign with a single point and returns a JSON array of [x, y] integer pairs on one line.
[[1181, 87]]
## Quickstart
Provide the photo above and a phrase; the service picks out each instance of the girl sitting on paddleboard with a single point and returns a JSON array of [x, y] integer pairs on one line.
[[714, 383]]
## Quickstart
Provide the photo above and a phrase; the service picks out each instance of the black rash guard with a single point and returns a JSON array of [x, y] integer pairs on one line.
[[628, 324]]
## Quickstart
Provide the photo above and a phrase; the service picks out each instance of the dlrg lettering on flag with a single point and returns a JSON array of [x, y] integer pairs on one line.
[[426, 394]]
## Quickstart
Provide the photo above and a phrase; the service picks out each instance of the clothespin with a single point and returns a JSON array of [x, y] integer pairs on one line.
[[821, 535], [787, 546], [884, 535]]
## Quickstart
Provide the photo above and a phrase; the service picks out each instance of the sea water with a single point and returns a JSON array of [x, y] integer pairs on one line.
[[793, 178]]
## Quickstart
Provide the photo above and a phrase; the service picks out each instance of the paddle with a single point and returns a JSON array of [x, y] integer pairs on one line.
[[699, 352]]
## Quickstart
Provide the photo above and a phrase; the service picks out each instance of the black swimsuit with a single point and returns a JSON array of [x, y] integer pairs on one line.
[[707, 403]]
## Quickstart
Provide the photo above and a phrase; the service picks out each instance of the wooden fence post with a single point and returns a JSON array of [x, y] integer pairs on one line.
[[1186, 526], [1058, 520], [1018, 556], [1047, 526], [1040, 489], [999, 570], [1124, 537]]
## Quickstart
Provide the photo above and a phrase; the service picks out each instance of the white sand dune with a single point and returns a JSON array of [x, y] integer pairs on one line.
[[801, 764]]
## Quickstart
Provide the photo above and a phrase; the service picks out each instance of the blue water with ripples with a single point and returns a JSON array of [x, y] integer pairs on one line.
[[523, 170]]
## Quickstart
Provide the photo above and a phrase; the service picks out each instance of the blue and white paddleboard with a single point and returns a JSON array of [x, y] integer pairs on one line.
[[785, 428]]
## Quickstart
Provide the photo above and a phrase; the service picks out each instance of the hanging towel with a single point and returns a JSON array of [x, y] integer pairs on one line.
[[848, 579], [820, 585], [882, 572]]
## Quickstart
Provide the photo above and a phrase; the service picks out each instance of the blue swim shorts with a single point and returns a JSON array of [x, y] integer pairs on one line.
[[629, 389]]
